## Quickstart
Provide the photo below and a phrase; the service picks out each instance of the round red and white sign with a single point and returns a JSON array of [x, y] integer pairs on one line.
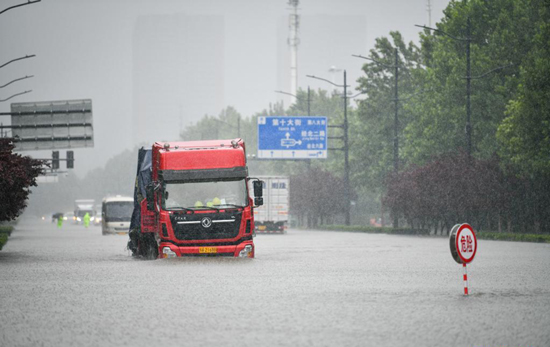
[[466, 243]]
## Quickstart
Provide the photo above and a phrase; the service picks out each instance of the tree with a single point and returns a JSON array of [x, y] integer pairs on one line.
[[450, 189], [502, 33], [17, 174], [525, 132], [318, 196], [372, 130]]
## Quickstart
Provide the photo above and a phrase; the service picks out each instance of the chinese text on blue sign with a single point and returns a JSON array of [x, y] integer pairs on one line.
[[292, 137]]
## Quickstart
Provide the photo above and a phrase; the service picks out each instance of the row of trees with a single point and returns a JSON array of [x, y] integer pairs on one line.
[[506, 176], [453, 188], [502, 186]]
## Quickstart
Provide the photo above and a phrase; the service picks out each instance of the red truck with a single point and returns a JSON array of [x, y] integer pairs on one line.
[[191, 199]]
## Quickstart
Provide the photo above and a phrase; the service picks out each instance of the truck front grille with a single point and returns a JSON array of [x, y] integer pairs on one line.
[[206, 226]]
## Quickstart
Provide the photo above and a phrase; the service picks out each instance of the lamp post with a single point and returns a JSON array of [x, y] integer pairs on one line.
[[14, 95], [298, 98], [346, 146], [468, 41], [231, 125], [469, 77], [308, 161], [396, 117]]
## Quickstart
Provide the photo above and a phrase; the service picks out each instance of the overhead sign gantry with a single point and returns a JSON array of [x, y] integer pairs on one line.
[[52, 124]]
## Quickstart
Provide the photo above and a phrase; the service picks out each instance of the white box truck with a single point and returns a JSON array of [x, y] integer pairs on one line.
[[81, 207], [273, 216]]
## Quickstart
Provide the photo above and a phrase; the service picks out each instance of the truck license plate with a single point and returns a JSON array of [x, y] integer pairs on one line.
[[208, 250], [262, 227]]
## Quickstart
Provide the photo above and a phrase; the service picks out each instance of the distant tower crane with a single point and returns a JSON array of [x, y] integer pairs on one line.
[[293, 42]]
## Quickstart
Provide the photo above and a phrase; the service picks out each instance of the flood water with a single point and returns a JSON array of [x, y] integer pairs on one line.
[[74, 287]]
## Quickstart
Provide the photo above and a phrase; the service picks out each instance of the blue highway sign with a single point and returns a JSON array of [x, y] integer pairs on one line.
[[292, 137]]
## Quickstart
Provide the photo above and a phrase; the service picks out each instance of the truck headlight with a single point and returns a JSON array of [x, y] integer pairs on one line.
[[246, 252], [168, 253]]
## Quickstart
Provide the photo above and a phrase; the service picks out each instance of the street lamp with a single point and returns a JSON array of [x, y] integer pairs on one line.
[[469, 77], [297, 97], [231, 125], [14, 95], [346, 147], [396, 118], [15, 80], [468, 40]]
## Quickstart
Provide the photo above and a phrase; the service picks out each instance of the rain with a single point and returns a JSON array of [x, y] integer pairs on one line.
[[278, 173]]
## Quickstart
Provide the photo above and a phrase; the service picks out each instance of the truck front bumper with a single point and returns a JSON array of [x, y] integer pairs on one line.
[[243, 250]]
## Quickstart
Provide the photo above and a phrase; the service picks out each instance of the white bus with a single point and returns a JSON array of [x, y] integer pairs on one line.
[[116, 213]]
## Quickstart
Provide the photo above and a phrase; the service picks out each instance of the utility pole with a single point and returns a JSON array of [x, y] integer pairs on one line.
[[238, 126], [396, 121], [395, 133], [346, 154], [308, 101], [395, 66], [345, 148], [469, 77], [468, 90], [298, 98]]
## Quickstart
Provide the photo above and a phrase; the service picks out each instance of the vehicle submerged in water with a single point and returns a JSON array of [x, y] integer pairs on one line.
[[191, 199]]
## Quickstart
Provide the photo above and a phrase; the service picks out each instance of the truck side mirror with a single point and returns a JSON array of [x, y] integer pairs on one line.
[[150, 196], [258, 193], [258, 188]]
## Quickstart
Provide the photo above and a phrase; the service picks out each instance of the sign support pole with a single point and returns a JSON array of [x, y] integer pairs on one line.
[[463, 244], [465, 279]]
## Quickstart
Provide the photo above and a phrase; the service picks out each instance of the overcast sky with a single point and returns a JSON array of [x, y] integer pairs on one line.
[[84, 50]]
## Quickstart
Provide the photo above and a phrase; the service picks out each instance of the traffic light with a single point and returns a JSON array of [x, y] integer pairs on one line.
[[70, 160], [55, 160]]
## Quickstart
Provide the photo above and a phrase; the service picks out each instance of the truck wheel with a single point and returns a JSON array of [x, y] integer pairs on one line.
[[148, 247], [133, 242]]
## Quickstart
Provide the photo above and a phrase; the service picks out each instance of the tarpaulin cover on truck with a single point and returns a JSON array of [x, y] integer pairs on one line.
[[143, 178]]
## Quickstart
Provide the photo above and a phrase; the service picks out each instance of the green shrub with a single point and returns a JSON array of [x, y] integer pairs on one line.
[[6, 229], [487, 235], [375, 230], [3, 240], [482, 235]]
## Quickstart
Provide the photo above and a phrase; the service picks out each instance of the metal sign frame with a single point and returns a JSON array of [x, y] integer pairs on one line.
[[47, 125]]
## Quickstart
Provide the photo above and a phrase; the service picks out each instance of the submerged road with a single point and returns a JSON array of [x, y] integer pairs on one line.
[[74, 287]]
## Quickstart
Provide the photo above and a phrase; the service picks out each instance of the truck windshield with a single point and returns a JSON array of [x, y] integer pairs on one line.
[[205, 194], [118, 211]]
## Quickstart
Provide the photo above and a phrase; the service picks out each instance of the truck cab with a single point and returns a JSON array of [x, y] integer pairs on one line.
[[197, 202]]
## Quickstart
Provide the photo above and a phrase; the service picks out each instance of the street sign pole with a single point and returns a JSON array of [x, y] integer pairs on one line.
[[465, 279], [463, 244], [346, 154]]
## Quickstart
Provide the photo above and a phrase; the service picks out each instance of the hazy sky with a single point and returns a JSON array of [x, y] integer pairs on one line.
[[84, 50]]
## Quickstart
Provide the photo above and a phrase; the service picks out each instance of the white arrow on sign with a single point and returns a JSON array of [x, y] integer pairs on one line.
[[288, 142]]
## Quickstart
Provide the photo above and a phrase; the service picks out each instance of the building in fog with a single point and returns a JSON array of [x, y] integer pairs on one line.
[[178, 73], [325, 41]]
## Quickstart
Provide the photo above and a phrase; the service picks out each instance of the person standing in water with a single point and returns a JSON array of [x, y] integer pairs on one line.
[[87, 219]]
